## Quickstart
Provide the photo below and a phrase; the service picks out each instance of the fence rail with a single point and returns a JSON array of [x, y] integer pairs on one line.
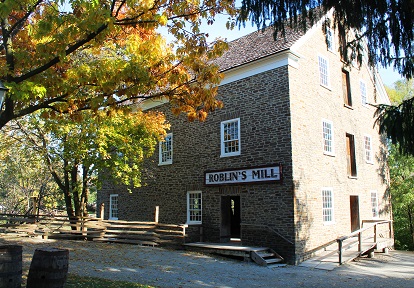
[[77, 228]]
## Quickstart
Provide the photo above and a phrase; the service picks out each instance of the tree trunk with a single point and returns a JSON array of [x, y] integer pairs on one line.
[[411, 225], [85, 190], [67, 192], [75, 190]]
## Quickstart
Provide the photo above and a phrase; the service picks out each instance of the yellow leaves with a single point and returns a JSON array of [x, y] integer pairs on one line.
[[161, 19]]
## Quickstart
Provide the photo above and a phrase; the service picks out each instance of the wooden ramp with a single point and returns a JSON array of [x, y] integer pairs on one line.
[[375, 235], [261, 255], [328, 259]]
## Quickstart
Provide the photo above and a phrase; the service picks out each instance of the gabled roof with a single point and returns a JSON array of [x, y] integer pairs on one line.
[[256, 45]]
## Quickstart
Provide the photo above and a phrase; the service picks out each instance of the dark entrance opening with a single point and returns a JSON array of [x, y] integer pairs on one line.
[[230, 218], [354, 203]]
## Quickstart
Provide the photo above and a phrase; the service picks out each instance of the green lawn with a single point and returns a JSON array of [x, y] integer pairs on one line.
[[75, 281]]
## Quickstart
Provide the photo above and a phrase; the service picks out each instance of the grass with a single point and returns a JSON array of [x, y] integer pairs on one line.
[[75, 281]]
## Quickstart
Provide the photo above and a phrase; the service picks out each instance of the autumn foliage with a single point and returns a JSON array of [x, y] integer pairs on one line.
[[74, 55]]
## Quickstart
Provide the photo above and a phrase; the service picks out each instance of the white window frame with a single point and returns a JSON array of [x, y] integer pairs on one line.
[[162, 151], [374, 204], [323, 66], [328, 139], [330, 40], [368, 152], [225, 141], [328, 207], [111, 204], [363, 92], [193, 218]]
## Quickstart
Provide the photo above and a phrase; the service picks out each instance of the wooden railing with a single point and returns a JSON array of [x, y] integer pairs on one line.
[[370, 232], [266, 227]]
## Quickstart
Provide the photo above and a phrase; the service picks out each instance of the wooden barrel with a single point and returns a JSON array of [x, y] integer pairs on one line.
[[49, 268], [10, 266]]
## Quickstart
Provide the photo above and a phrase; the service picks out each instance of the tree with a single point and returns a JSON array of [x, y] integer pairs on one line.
[[402, 195], [400, 160], [397, 120], [73, 55], [385, 25], [402, 90], [23, 176], [74, 151]]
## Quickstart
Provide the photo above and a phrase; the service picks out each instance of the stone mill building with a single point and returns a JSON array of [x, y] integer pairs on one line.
[[293, 160]]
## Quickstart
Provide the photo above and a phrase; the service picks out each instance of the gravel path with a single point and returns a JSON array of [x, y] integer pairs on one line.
[[170, 268]]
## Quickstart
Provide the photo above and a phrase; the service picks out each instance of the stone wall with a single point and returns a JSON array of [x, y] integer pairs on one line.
[[312, 170], [262, 104]]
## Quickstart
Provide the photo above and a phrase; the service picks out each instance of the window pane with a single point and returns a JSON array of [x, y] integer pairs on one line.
[[374, 204], [363, 89], [230, 137], [113, 209], [327, 205], [323, 71], [194, 207], [368, 149], [166, 150], [329, 38], [327, 137]]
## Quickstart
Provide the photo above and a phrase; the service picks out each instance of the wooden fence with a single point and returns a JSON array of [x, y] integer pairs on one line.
[[96, 229]]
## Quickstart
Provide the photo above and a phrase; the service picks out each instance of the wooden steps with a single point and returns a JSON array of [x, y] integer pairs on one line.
[[261, 255], [266, 257]]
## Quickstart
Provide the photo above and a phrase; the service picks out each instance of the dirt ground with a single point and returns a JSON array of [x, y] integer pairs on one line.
[[173, 268]]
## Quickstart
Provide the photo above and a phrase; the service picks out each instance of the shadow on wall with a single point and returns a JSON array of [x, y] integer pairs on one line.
[[303, 223], [383, 172]]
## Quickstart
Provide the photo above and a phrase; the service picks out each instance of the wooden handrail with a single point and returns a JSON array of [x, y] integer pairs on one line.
[[363, 229], [359, 233], [269, 228]]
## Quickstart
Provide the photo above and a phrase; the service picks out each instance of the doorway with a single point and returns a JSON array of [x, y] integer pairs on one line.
[[354, 204], [230, 218]]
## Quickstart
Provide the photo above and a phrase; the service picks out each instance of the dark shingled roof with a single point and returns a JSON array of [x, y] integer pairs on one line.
[[255, 46]]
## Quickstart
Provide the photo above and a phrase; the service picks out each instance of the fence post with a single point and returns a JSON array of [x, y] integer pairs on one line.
[[340, 251], [359, 241], [157, 213], [375, 233], [390, 226], [102, 211]]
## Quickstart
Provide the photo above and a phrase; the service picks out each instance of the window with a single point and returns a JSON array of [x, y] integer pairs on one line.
[[230, 137], [368, 149], [346, 88], [113, 207], [327, 206], [343, 49], [374, 204], [330, 40], [350, 153], [323, 71], [363, 89], [166, 150], [328, 138], [194, 207]]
